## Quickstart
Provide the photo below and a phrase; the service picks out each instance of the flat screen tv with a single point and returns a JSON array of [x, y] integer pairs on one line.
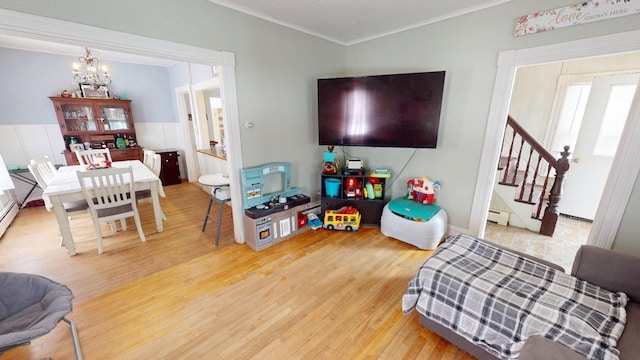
[[399, 110]]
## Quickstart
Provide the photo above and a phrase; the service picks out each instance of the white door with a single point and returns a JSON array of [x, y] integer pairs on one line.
[[604, 118]]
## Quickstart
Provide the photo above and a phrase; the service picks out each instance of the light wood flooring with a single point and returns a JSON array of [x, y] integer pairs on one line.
[[560, 248], [320, 295]]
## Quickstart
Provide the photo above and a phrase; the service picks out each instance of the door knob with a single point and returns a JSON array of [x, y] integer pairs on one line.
[[577, 160]]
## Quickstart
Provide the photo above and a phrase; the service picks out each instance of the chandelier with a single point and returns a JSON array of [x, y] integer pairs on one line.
[[87, 70]]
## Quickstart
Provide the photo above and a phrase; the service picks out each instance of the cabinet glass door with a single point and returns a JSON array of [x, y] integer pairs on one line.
[[114, 118], [79, 117]]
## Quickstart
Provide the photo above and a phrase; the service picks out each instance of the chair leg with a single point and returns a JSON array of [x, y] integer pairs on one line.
[[219, 222], [206, 216], [136, 217], [96, 225], [74, 335], [123, 224]]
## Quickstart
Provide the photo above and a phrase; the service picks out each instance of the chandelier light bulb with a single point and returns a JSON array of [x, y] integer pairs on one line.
[[85, 71]]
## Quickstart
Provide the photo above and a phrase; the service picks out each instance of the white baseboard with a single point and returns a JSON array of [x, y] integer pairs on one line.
[[499, 217]]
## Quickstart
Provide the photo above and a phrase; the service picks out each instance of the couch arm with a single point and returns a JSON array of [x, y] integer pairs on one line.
[[538, 347], [608, 269]]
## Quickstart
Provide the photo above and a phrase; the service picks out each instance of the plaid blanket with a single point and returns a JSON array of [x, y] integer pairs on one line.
[[497, 299]]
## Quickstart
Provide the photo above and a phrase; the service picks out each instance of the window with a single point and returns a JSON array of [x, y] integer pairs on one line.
[[615, 116], [570, 116]]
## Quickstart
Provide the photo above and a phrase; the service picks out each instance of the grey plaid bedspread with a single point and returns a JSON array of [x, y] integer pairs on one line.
[[497, 299]]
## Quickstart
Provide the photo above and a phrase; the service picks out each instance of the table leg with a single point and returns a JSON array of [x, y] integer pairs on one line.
[[157, 210], [63, 224]]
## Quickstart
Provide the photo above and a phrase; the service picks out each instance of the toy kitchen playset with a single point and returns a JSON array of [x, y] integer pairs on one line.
[[272, 206]]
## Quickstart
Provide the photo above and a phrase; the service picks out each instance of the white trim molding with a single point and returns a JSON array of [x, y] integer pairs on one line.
[[625, 167]]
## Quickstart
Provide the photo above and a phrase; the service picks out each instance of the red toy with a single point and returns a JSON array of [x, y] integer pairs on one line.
[[352, 188], [422, 190]]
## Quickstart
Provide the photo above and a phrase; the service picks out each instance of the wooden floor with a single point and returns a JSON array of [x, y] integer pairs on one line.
[[320, 295]]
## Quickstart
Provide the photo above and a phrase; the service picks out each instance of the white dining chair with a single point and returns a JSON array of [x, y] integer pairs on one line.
[[109, 193], [93, 156], [43, 171], [148, 158], [152, 161]]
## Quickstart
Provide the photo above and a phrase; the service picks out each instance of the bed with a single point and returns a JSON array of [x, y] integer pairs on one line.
[[489, 301]]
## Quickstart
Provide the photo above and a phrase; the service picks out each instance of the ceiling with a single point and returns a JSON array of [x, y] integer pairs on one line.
[[20, 43], [345, 22], [351, 21]]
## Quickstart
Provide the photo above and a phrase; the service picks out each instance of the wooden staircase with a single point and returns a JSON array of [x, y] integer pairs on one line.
[[537, 176]]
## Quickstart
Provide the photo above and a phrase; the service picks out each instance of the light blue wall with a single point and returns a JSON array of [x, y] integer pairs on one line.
[[29, 78]]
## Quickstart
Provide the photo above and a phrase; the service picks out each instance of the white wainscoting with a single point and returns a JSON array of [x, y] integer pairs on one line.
[[20, 143], [158, 136]]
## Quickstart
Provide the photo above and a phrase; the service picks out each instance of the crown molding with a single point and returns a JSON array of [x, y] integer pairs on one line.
[[47, 29]]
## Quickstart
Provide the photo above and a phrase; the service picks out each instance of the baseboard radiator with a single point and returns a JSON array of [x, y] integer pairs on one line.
[[8, 211], [500, 217]]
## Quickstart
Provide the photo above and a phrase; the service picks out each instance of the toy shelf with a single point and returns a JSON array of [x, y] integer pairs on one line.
[[352, 190]]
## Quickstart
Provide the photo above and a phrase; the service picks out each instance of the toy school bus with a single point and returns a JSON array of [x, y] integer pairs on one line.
[[346, 218]]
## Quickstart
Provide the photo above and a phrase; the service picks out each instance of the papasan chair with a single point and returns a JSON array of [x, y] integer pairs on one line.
[[32, 306]]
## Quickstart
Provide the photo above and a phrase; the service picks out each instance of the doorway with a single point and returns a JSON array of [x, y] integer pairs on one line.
[[587, 112], [201, 113], [626, 165], [58, 31], [550, 102]]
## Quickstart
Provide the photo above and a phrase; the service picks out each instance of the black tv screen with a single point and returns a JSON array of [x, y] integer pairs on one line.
[[399, 110]]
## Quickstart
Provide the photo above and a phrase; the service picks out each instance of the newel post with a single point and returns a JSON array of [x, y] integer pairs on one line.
[[551, 213]]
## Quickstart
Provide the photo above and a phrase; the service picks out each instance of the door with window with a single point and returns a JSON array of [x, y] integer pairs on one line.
[[591, 120]]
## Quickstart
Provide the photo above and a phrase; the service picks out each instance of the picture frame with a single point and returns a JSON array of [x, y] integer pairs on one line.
[[76, 147], [88, 91]]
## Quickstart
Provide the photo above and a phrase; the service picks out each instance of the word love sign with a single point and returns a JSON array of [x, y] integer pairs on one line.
[[576, 14]]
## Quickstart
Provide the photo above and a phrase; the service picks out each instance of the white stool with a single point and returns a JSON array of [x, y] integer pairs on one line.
[[220, 193]]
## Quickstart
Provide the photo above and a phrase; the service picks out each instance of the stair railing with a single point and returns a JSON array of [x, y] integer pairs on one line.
[[537, 163]]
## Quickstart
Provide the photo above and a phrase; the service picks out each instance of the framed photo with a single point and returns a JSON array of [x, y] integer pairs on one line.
[[76, 147], [88, 91]]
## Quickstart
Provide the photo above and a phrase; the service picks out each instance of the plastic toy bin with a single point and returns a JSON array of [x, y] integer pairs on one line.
[[332, 187], [422, 226]]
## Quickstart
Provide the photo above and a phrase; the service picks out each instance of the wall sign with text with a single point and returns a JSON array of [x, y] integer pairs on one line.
[[576, 14]]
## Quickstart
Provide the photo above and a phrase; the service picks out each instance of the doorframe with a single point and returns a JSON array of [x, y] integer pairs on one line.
[[191, 161], [626, 166], [42, 28]]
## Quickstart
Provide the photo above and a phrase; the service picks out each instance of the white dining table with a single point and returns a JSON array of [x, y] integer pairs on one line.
[[65, 187]]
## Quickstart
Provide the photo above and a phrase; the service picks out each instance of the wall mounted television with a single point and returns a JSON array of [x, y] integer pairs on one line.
[[398, 110]]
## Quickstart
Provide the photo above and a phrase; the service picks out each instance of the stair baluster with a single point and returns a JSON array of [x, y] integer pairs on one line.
[[551, 213], [529, 192]]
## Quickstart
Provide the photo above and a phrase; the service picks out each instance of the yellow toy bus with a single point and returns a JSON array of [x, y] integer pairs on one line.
[[346, 218]]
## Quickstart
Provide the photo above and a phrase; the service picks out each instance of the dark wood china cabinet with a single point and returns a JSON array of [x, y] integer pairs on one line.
[[97, 123]]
